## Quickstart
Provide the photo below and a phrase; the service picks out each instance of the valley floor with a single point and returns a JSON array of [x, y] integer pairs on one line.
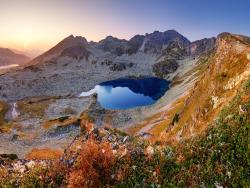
[[37, 125]]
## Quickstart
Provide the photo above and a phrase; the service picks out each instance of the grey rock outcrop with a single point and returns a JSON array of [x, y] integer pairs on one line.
[[165, 67], [202, 46]]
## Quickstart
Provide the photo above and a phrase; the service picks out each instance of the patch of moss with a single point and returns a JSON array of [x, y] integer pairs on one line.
[[247, 85], [9, 156], [34, 109]]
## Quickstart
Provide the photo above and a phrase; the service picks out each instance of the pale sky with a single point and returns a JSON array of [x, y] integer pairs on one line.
[[40, 24]]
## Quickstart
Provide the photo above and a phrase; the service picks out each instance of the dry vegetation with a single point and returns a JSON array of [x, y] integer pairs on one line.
[[136, 128], [4, 126], [95, 161], [3, 110], [44, 154], [168, 118], [33, 109], [199, 110], [62, 121]]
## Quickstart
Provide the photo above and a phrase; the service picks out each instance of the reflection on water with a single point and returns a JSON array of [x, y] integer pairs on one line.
[[129, 93]]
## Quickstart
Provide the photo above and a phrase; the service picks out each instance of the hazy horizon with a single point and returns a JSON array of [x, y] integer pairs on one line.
[[39, 25]]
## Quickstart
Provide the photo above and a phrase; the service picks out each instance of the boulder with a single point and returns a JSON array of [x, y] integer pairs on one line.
[[163, 68]]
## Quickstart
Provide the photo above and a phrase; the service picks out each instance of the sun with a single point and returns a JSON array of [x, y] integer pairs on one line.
[[26, 36], [25, 44]]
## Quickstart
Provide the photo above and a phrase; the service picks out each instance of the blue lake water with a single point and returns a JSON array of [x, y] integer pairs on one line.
[[129, 93]]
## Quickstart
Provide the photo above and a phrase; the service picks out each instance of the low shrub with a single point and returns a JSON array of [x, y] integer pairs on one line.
[[93, 166]]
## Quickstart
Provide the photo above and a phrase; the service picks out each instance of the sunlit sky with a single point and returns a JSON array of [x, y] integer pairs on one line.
[[40, 24]]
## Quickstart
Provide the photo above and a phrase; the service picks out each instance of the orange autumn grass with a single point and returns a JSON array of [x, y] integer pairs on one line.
[[158, 128], [44, 153]]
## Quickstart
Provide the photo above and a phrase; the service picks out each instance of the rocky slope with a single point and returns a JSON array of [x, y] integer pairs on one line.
[[200, 46], [227, 69]]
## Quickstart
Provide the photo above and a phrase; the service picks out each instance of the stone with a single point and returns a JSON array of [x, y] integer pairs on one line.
[[125, 139], [149, 151], [165, 67], [118, 67]]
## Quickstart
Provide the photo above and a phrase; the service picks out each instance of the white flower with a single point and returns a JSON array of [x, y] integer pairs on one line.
[[30, 164], [150, 150]]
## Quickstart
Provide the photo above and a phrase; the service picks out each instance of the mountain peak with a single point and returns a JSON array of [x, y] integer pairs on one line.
[[157, 40], [74, 39], [6, 50], [70, 37], [171, 31], [110, 38], [68, 42], [229, 37]]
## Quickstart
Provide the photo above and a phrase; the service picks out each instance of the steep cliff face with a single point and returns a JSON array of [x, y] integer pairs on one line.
[[153, 43], [113, 45], [227, 68], [199, 47], [157, 41]]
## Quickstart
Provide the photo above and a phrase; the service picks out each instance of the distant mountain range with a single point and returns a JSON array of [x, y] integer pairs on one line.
[[8, 57], [151, 54], [169, 43]]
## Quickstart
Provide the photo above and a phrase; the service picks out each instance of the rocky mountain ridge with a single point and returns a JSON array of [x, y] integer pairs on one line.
[[111, 57], [153, 43]]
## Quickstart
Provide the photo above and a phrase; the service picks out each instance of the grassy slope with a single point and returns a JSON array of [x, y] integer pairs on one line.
[[198, 112], [221, 156]]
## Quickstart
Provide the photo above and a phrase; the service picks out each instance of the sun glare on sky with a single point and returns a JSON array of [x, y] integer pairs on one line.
[[41, 24], [26, 37]]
